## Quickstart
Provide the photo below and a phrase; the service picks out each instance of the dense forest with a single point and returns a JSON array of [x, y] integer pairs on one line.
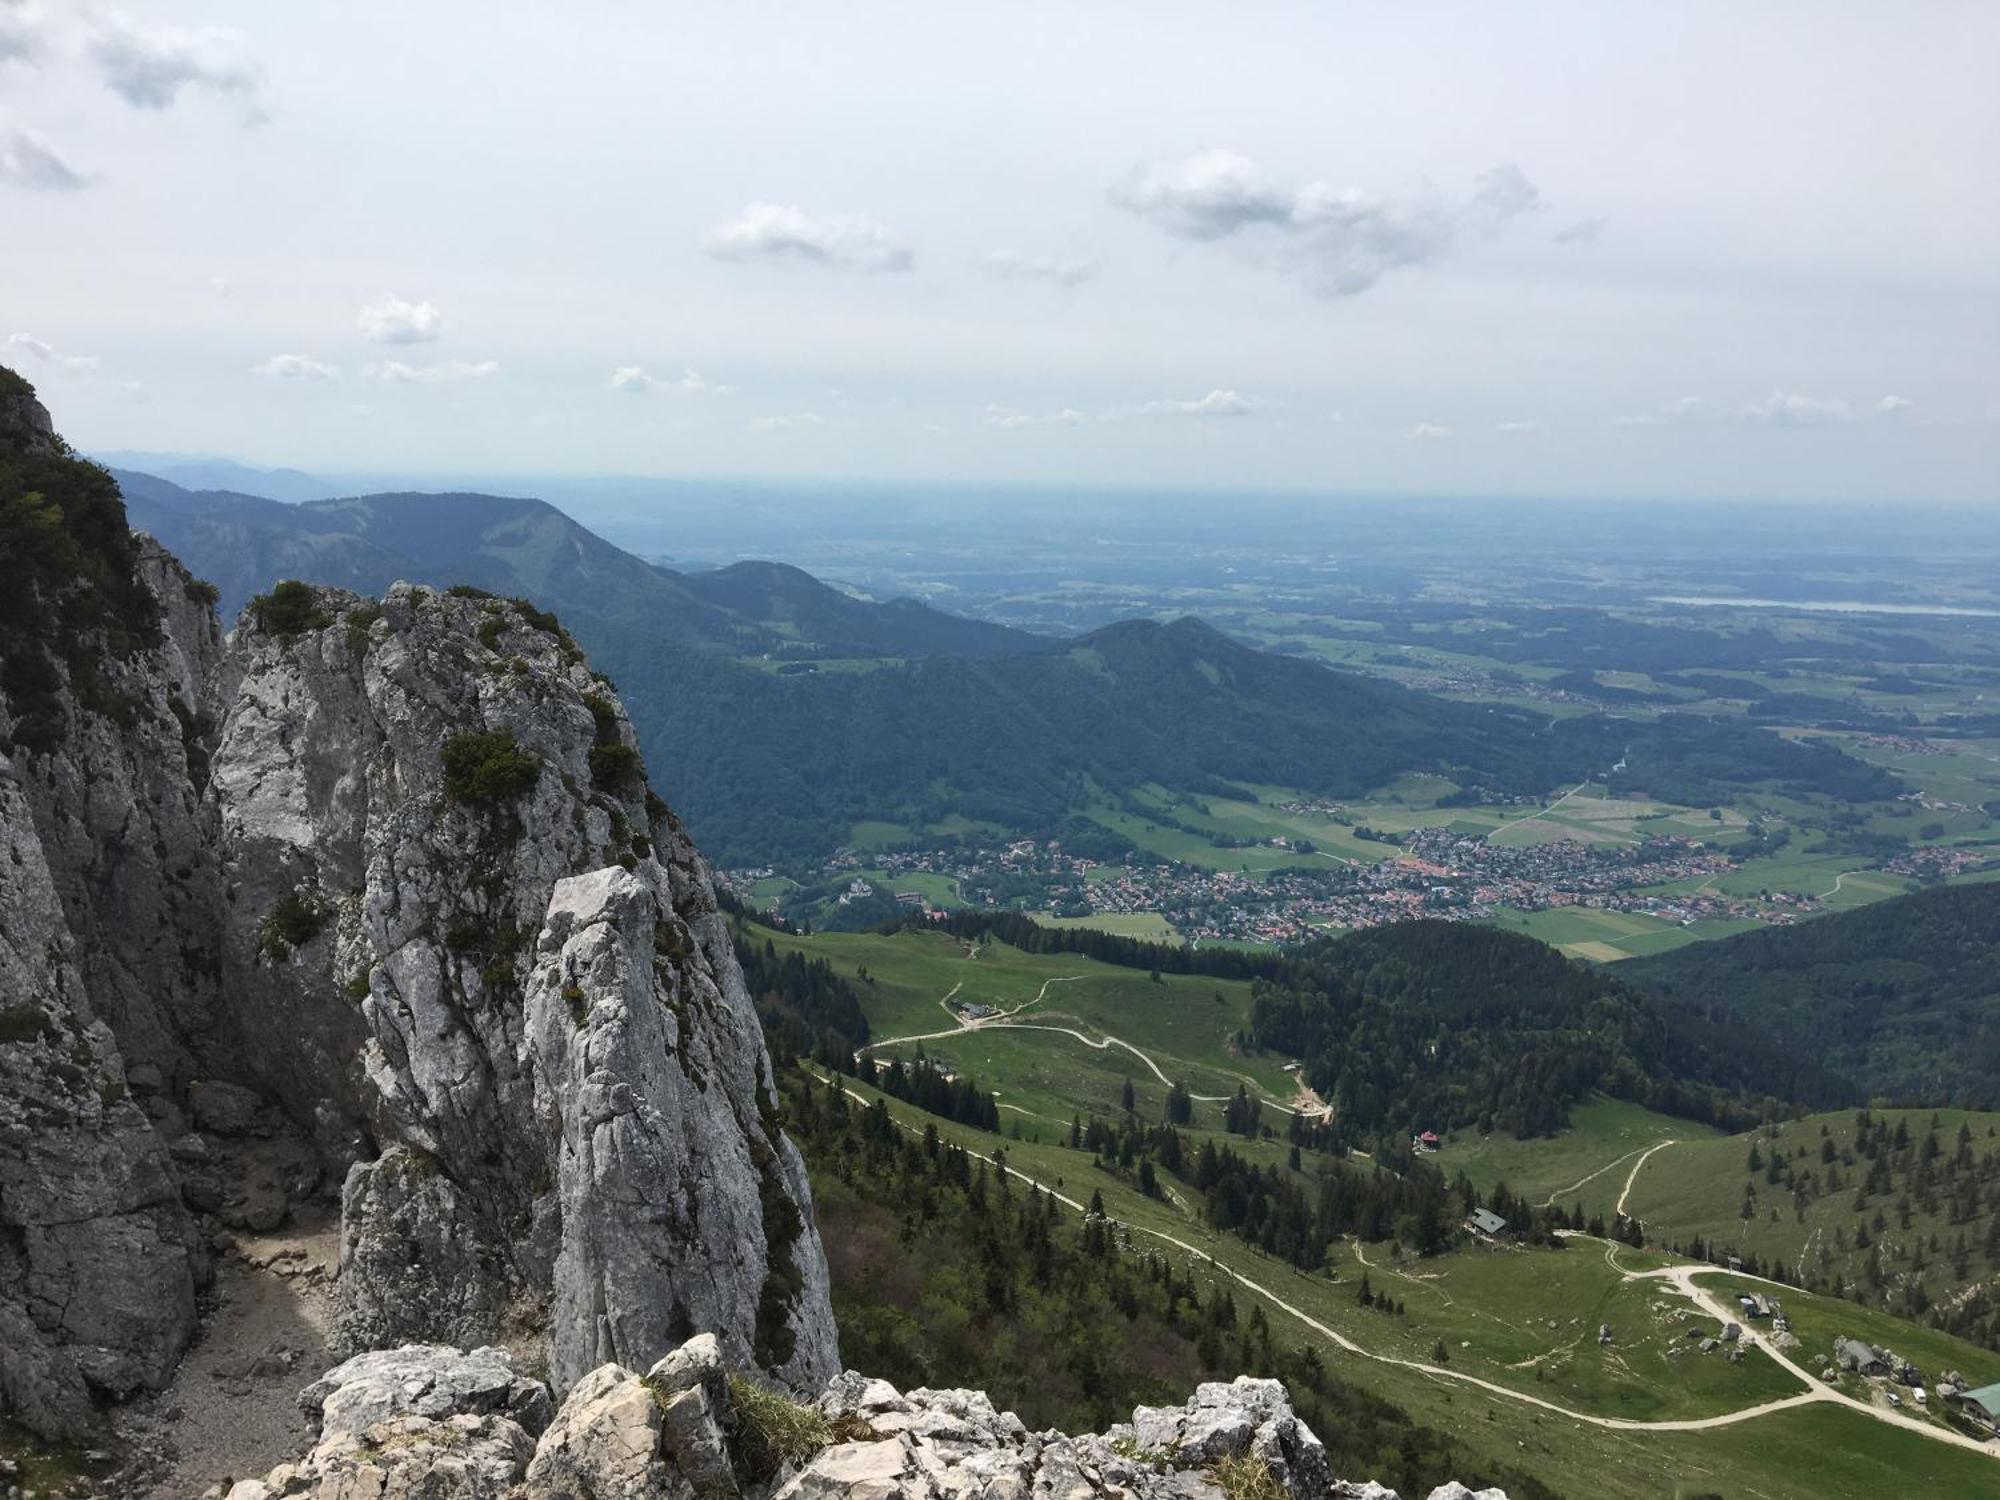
[[1902, 996], [945, 1272], [1439, 1025]]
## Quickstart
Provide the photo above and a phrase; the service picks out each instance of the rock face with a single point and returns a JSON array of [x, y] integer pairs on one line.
[[370, 898], [434, 1423]]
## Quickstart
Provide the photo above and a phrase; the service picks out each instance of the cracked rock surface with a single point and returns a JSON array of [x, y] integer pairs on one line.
[[259, 951], [434, 1423]]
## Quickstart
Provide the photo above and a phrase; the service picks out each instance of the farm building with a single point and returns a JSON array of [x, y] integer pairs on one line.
[[1486, 1221], [1982, 1405], [1858, 1358], [1428, 1141]]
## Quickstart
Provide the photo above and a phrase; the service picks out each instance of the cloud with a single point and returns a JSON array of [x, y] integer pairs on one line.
[[395, 371], [149, 66], [1513, 428], [1428, 432], [789, 422], [1338, 243], [28, 344], [1014, 266], [776, 232], [1890, 405], [1007, 418], [21, 36], [1684, 412], [1582, 232], [29, 161], [394, 321], [1790, 409], [296, 367], [1217, 403], [634, 379], [1209, 196]]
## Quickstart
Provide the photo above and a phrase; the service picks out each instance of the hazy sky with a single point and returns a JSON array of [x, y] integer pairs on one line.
[[1596, 249]]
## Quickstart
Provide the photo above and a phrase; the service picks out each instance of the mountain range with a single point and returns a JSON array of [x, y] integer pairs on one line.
[[785, 711]]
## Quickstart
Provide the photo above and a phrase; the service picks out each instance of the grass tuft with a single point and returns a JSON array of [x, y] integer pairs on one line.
[[773, 1430], [1245, 1477]]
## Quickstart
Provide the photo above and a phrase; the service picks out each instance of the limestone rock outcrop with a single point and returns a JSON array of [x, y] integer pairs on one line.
[[433, 1423], [369, 899]]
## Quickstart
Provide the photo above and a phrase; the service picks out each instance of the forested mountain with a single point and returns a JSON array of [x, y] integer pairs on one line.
[[1902, 996], [507, 545], [1437, 1025], [784, 712]]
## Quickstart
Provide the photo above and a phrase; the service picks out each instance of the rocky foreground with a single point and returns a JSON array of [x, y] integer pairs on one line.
[[426, 1422]]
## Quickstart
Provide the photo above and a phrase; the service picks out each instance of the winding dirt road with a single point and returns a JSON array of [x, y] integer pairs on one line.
[[1680, 1277]]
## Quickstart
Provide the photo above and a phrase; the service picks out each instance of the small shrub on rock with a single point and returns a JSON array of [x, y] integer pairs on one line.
[[613, 766], [289, 610], [295, 921], [488, 766]]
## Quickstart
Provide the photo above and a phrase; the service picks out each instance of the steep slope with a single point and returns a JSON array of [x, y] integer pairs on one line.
[[372, 899], [1903, 996]]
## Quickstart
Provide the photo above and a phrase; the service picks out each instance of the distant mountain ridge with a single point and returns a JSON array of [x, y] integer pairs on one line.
[[515, 545], [784, 712]]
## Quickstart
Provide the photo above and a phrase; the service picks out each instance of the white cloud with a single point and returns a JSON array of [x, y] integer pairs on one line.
[[1582, 232], [394, 321], [1209, 196], [1684, 412], [136, 392], [149, 66], [396, 371], [1513, 428], [27, 160], [778, 232], [1339, 243], [219, 285], [21, 36], [634, 379], [1890, 405], [1428, 432], [28, 344], [1014, 266], [1217, 403], [1007, 418], [296, 367], [1790, 409], [789, 422]]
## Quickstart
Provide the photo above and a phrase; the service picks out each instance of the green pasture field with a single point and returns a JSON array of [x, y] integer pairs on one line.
[[1183, 1022], [1822, 1452], [1695, 1189], [1587, 1163]]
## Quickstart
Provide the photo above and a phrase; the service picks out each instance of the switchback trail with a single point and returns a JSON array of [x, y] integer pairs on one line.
[[1550, 1201], [1004, 1021], [1633, 1175], [1680, 1277]]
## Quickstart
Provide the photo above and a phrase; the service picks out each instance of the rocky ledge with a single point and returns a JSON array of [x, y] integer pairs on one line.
[[427, 1422]]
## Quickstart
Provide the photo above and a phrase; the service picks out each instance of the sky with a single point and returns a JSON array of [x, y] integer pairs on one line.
[[1577, 250]]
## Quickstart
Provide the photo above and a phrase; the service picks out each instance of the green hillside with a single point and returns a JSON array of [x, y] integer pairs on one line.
[[1902, 996], [1898, 1209]]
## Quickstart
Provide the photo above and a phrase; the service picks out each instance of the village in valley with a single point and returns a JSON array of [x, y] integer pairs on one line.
[[1430, 872]]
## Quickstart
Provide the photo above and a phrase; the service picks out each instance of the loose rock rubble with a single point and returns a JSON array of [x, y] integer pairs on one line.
[[426, 1422]]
